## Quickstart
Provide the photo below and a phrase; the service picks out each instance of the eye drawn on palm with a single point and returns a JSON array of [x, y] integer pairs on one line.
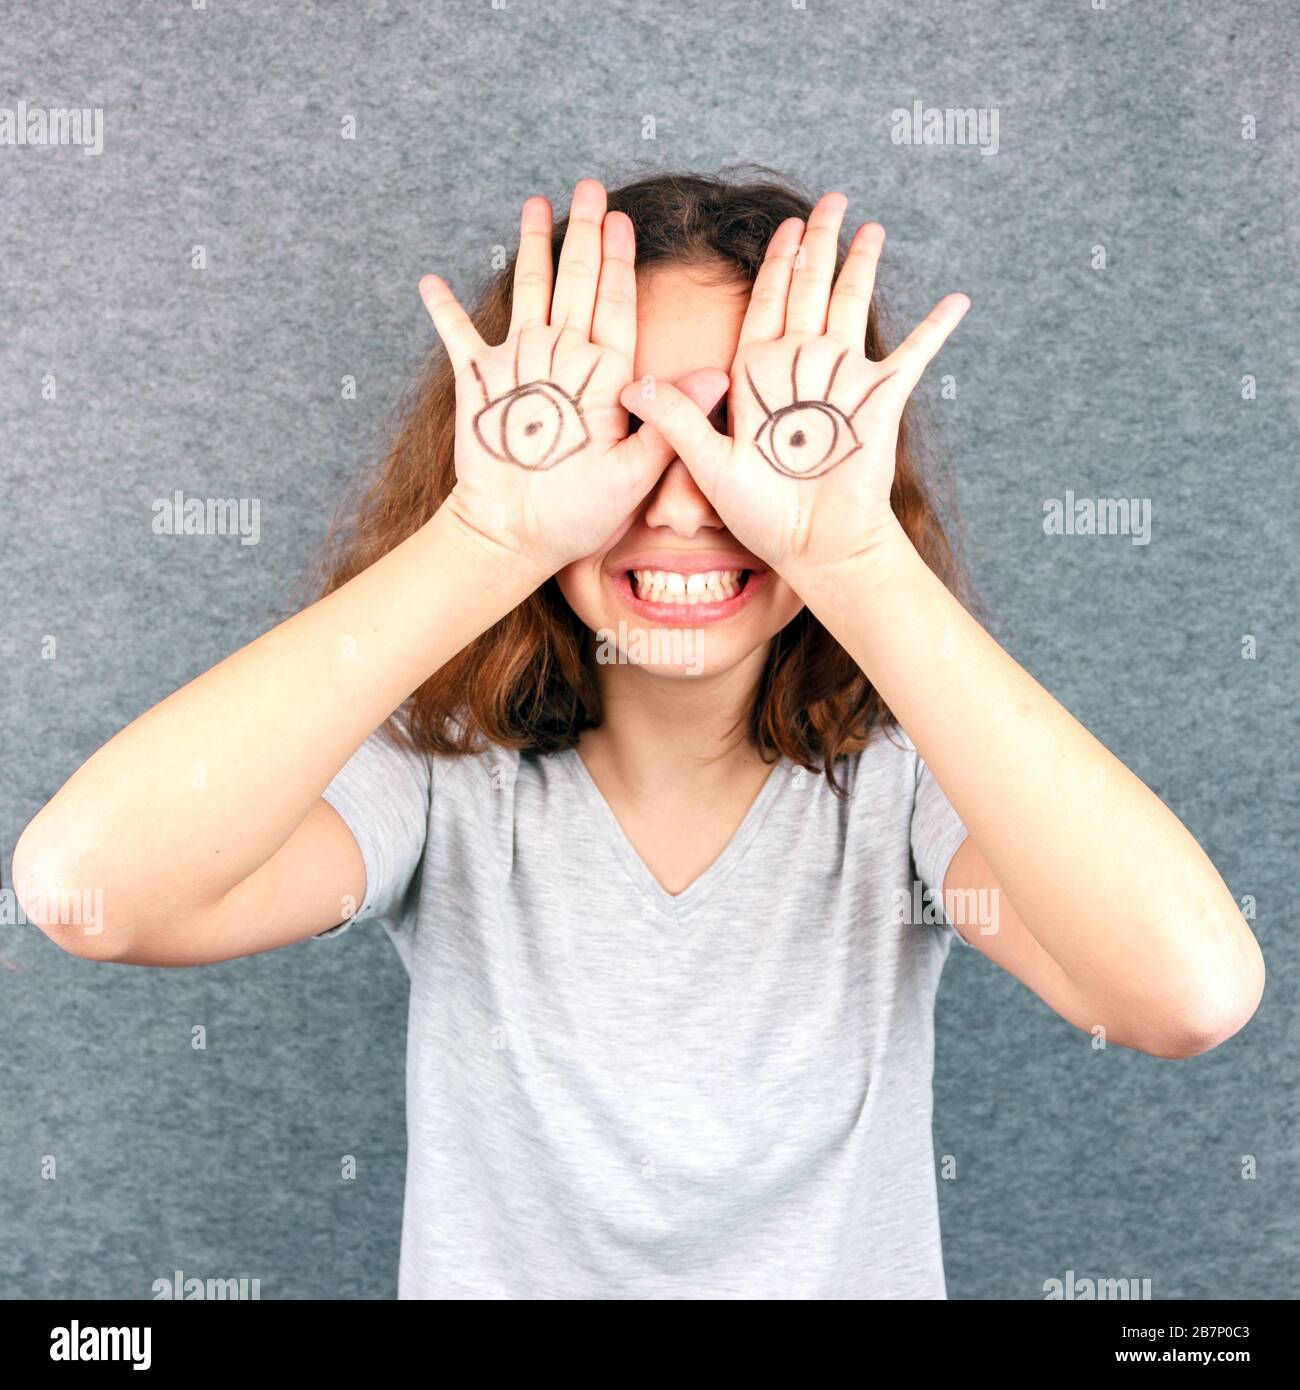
[[809, 450], [546, 399], [805, 427], [806, 473], [544, 462], [815, 421]]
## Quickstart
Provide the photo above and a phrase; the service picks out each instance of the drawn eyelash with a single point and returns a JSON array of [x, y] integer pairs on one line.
[[538, 424], [807, 438]]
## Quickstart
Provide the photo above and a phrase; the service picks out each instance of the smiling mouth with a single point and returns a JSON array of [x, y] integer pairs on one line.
[[689, 596], [688, 590]]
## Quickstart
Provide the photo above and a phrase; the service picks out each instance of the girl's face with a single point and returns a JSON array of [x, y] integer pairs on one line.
[[675, 592]]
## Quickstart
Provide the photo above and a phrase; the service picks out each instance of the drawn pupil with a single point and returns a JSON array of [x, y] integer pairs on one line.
[[531, 425], [534, 426], [803, 439]]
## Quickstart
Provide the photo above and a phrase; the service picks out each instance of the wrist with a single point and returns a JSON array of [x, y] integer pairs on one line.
[[503, 565], [881, 562]]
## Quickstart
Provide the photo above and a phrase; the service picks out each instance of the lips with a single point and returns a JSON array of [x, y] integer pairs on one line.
[[683, 590]]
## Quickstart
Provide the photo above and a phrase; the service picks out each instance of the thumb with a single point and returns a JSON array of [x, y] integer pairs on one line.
[[676, 420]]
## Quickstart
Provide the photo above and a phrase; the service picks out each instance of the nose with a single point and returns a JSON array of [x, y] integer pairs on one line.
[[676, 504]]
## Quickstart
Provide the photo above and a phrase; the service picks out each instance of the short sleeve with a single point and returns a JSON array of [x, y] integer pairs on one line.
[[382, 794], [937, 834]]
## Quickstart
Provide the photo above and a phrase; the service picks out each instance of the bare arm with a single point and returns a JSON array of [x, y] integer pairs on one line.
[[202, 824], [1107, 907], [1110, 910]]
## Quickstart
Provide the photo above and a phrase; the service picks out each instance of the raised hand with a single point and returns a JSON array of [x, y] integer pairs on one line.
[[544, 462], [804, 478]]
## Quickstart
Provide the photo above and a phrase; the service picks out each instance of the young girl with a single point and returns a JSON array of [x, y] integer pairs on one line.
[[683, 717]]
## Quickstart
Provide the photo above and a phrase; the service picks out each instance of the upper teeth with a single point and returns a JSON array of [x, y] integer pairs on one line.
[[667, 586]]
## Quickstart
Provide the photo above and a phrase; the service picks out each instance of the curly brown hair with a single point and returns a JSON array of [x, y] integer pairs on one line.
[[529, 681]]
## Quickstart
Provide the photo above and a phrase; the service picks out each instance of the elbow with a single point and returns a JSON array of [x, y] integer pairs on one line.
[[1220, 1009], [64, 899], [1189, 1040]]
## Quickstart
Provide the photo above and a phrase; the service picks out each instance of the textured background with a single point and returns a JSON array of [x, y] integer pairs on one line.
[[1119, 127]]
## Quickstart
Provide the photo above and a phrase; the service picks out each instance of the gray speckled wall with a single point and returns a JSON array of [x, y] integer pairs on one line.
[[1118, 127]]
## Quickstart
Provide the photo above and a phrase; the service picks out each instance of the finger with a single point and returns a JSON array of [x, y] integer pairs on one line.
[[458, 334], [765, 317], [642, 456], [531, 297], [706, 386], [613, 324], [648, 449], [579, 272], [814, 267], [683, 424], [908, 361], [851, 298]]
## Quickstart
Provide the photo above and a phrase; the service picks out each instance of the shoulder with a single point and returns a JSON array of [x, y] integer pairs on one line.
[[889, 766], [879, 783], [483, 774]]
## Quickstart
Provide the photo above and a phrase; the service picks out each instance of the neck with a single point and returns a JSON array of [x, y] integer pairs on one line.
[[674, 736]]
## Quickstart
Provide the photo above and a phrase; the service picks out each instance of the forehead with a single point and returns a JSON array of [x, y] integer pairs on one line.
[[687, 317]]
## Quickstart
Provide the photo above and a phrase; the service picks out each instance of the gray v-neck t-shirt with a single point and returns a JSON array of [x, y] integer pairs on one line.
[[613, 1092]]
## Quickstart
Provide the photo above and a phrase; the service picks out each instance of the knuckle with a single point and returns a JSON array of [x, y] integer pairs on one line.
[[618, 295], [766, 294], [582, 266]]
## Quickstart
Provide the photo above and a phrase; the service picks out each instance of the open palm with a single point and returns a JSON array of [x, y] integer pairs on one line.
[[805, 475], [544, 462]]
